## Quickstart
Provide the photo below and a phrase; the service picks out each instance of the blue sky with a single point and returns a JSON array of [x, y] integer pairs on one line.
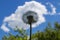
[[7, 7]]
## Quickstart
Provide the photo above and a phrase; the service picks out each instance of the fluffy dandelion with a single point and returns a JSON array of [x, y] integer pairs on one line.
[[29, 18]]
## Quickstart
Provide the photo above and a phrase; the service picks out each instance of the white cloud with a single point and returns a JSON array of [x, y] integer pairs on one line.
[[15, 19], [52, 7], [4, 28], [58, 13]]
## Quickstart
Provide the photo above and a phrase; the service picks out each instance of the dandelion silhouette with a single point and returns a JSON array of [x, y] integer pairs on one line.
[[32, 17]]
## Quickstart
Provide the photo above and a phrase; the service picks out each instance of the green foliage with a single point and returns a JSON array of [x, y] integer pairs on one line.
[[57, 25], [49, 33]]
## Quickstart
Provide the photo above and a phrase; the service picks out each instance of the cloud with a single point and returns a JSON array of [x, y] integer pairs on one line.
[[52, 7], [58, 13], [4, 28], [15, 19]]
